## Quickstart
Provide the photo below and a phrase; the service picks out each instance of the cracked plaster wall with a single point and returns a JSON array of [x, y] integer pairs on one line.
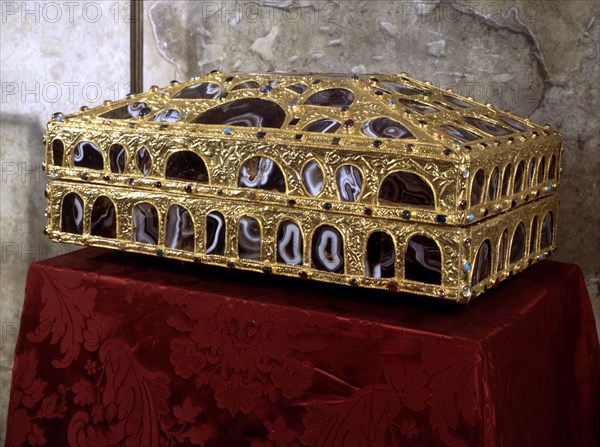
[[535, 58]]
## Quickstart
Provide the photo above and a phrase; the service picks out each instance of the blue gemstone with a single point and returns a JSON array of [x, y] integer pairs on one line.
[[260, 134], [456, 143], [227, 131], [392, 102], [440, 218], [447, 152], [266, 89], [467, 266], [377, 143], [540, 257], [470, 217], [327, 206], [549, 188]]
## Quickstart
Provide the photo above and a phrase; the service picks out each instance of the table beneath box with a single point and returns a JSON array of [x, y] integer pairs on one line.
[[119, 349]]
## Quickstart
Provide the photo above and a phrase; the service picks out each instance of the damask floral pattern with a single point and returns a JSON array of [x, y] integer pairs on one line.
[[111, 354]]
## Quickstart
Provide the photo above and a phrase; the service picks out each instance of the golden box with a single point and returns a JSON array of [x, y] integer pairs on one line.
[[377, 181]]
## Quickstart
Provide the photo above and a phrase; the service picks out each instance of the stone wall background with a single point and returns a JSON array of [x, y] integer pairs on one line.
[[539, 59]]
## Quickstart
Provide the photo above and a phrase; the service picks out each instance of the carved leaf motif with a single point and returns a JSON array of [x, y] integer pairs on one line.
[[363, 420], [63, 317]]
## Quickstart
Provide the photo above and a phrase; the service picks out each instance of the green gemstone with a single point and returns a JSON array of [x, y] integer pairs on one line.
[[406, 214]]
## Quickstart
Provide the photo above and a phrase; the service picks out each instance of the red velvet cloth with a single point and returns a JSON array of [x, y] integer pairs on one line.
[[118, 349]]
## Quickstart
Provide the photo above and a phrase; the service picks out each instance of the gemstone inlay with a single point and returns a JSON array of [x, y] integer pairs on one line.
[[72, 214], [423, 260], [145, 223], [385, 128], [215, 233], [88, 155], [186, 165], [180, 229], [289, 243], [406, 188], [312, 178], [104, 218], [249, 237], [349, 182], [381, 256], [328, 250], [261, 173]]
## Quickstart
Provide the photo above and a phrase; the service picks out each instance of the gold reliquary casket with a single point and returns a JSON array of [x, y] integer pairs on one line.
[[377, 181]]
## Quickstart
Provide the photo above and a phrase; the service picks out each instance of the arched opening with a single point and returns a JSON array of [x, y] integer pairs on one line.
[[349, 182], [506, 180], [215, 233], [261, 173], [534, 236], [145, 223], [290, 246], [203, 90], [483, 262], [547, 231], [88, 155], [530, 170], [144, 161], [188, 166], [104, 218], [518, 182], [71, 220], [180, 229], [333, 97], [493, 185], [58, 151], [517, 246], [118, 158], [502, 250], [423, 260], [249, 238], [248, 112], [312, 178], [477, 187], [406, 188], [552, 168], [541, 170], [380, 259], [328, 249]]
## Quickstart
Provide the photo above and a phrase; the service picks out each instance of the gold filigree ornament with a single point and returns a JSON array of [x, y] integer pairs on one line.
[[377, 181]]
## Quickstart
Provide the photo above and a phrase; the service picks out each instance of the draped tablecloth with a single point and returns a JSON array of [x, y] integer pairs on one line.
[[126, 350]]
